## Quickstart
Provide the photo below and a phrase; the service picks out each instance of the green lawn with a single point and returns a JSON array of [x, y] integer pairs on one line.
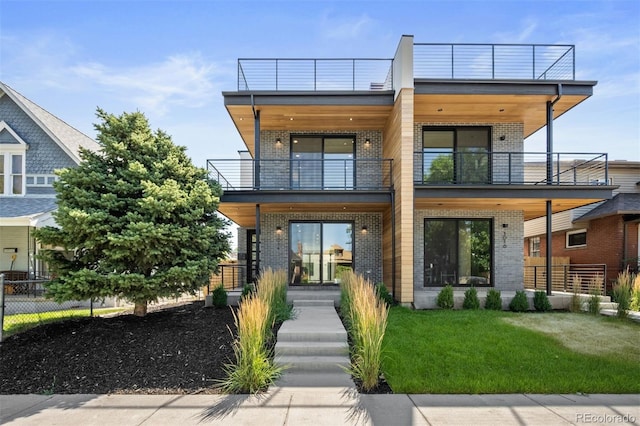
[[21, 322], [498, 352]]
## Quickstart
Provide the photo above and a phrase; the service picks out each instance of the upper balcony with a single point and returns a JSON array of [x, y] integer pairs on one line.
[[302, 174]]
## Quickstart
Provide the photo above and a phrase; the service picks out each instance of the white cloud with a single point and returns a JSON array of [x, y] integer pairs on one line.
[[184, 80], [346, 28]]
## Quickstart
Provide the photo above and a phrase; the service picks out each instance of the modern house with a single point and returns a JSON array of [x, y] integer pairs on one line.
[[410, 169], [33, 144], [604, 234]]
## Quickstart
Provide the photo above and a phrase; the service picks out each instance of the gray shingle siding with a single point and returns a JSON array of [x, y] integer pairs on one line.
[[44, 155]]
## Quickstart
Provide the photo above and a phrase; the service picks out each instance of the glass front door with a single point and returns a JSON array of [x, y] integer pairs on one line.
[[319, 252]]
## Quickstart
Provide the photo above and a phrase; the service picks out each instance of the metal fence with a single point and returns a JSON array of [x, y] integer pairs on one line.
[[570, 278], [23, 305], [494, 61]]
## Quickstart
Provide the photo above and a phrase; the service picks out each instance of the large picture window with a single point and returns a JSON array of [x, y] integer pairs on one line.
[[457, 252], [319, 252], [456, 155]]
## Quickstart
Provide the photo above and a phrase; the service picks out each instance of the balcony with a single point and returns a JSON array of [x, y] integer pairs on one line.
[[509, 168], [494, 61], [315, 74], [302, 174]]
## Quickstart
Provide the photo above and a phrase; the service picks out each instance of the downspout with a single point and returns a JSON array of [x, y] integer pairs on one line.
[[393, 243], [549, 233], [256, 178]]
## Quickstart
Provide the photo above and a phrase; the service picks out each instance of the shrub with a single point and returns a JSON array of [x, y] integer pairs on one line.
[[219, 297], [541, 301], [519, 303], [445, 297], [635, 294], [622, 292], [254, 368], [471, 300], [593, 304], [366, 319], [494, 300], [384, 295], [247, 290]]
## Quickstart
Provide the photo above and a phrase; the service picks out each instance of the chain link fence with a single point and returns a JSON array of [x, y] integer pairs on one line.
[[23, 305]]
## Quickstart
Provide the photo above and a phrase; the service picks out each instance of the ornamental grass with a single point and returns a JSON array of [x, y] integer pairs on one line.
[[366, 321]]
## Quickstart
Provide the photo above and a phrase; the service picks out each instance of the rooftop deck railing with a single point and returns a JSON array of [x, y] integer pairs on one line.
[[302, 174], [494, 61], [315, 74], [509, 168]]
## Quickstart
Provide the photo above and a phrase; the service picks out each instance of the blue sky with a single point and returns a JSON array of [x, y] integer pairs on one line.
[[172, 59]]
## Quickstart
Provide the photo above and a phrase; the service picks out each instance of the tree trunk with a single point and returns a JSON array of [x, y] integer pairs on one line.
[[140, 309]]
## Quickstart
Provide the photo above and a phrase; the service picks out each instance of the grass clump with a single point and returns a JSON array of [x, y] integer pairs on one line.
[[519, 303], [219, 297], [635, 294], [254, 368], [445, 297], [593, 304], [272, 289], [541, 301], [622, 292], [494, 300], [575, 305], [366, 319], [17, 323], [471, 300]]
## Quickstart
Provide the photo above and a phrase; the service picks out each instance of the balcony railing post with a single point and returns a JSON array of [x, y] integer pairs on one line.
[[452, 63], [277, 75], [315, 74], [533, 63], [353, 74], [493, 61]]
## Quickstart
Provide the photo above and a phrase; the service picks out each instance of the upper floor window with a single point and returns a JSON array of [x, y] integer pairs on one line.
[[577, 238], [12, 161], [12, 173], [456, 154]]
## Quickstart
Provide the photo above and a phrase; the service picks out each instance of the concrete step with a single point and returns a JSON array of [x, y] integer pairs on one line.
[[311, 294], [312, 363], [311, 348], [312, 336], [312, 302], [324, 381]]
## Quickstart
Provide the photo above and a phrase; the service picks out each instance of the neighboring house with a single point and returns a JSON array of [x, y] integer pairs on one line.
[[413, 165], [600, 233], [33, 144]]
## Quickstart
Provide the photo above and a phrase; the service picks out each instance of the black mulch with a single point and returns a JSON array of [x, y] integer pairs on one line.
[[176, 350]]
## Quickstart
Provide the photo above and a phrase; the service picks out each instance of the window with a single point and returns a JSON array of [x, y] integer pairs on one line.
[[322, 162], [534, 246], [577, 238], [12, 180], [319, 251], [456, 155], [458, 252]]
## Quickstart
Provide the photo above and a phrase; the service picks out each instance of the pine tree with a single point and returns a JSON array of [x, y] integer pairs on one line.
[[138, 216]]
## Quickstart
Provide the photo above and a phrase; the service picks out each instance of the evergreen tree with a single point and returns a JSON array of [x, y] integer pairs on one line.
[[138, 216]]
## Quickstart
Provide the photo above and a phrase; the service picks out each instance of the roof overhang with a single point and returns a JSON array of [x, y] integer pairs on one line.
[[530, 199], [310, 111], [496, 101], [36, 220]]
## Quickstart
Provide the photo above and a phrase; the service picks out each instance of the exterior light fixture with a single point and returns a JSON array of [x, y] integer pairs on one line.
[[503, 137], [367, 142], [278, 230], [365, 229], [278, 142]]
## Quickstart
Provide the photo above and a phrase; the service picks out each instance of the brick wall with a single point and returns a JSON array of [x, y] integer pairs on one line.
[[367, 249], [508, 261]]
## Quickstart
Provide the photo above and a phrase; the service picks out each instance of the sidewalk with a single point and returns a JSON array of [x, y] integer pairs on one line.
[[319, 406]]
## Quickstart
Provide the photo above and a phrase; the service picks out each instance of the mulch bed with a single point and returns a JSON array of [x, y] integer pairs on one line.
[[179, 350], [176, 350]]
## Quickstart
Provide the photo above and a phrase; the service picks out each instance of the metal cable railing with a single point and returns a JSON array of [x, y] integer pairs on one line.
[[494, 61]]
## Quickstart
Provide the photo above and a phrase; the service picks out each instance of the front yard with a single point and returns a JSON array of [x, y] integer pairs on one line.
[[502, 352]]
